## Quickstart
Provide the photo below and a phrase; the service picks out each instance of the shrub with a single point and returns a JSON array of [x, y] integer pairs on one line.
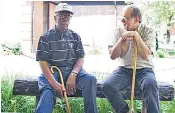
[[11, 49]]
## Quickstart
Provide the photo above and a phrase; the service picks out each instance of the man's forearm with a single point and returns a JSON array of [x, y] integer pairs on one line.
[[78, 65], [116, 50], [119, 50], [125, 49], [142, 48], [46, 71]]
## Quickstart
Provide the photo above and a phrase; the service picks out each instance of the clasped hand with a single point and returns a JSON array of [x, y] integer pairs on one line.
[[129, 36]]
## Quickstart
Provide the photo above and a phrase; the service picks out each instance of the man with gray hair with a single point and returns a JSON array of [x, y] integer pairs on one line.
[[144, 37], [63, 48]]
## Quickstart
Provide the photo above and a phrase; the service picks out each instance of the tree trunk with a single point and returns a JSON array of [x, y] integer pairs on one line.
[[168, 36], [30, 87]]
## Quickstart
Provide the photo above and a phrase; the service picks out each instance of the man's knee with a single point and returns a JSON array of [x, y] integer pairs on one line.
[[91, 79], [107, 87], [150, 84]]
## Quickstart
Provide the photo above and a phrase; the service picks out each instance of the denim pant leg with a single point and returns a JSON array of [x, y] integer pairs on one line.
[[47, 98], [118, 80], [87, 83], [147, 82]]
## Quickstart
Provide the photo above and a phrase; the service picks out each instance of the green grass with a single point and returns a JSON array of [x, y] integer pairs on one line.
[[104, 106], [26, 104], [11, 103]]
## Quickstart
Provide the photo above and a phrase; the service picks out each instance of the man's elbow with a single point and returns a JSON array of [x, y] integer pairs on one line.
[[80, 61], [146, 56], [43, 63], [113, 57]]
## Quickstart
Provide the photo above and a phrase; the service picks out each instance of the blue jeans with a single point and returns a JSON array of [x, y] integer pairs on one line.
[[121, 78], [84, 82]]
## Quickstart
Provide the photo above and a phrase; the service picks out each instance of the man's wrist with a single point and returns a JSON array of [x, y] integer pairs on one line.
[[52, 82], [136, 36], [74, 72]]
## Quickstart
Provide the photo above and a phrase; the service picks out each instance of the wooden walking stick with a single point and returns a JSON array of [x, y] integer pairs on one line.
[[62, 82], [133, 77]]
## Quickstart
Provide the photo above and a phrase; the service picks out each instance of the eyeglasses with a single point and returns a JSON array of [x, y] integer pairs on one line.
[[64, 16], [124, 19]]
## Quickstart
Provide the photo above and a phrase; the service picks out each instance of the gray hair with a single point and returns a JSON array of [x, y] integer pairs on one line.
[[136, 12]]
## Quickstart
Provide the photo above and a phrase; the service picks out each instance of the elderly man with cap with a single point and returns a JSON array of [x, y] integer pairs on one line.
[[63, 48]]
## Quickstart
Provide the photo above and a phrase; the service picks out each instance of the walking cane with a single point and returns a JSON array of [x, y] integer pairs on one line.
[[133, 77], [62, 82]]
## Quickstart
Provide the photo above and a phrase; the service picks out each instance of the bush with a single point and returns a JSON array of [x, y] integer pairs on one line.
[[11, 49], [96, 50], [171, 53], [162, 53]]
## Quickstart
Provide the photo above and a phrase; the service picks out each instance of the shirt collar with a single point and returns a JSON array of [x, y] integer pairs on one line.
[[139, 28], [64, 33]]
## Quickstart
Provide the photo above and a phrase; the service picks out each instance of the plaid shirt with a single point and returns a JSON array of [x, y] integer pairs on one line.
[[148, 36]]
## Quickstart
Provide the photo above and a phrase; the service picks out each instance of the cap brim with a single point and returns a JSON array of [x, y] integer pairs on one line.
[[65, 11]]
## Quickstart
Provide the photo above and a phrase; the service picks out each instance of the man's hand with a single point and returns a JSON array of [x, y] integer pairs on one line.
[[129, 35], [71, 84], [58, 88]]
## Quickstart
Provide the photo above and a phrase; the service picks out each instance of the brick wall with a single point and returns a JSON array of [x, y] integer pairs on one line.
[[95, 10]]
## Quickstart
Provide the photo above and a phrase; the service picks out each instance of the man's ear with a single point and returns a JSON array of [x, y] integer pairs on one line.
[[137, 19]]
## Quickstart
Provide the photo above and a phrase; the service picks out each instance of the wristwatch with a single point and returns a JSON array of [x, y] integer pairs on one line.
[[75, 72]]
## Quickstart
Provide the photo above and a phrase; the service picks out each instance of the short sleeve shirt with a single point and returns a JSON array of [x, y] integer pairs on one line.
[[60, 49], [148, 36]]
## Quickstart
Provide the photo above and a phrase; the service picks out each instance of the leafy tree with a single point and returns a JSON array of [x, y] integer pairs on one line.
[[157, 13], [165, 11]]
